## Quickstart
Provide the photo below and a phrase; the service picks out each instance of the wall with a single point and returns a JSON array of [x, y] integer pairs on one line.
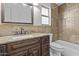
[[9, 29], [37, 13], [55, 22], [69, 22]]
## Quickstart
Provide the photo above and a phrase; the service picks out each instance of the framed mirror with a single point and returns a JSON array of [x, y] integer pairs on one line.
[[17, 13]]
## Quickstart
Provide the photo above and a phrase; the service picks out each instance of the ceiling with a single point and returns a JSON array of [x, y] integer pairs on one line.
[[59, 4]]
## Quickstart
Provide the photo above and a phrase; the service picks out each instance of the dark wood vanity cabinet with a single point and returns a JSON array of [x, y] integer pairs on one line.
[[30, 47], [3, 50]]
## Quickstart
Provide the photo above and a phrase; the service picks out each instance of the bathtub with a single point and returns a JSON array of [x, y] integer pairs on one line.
[[70, 49]]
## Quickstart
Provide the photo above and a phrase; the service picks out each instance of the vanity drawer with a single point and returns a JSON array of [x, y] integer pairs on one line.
[[45, 39], [21, 53], [21, 45]]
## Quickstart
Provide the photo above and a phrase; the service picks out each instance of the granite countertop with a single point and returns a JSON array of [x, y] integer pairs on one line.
[[14, 38]]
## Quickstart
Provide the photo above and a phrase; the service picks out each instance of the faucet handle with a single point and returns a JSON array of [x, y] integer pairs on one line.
[[25, 32], [15, 32]]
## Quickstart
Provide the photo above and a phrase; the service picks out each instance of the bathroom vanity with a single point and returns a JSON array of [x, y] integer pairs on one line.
[[25, 45]]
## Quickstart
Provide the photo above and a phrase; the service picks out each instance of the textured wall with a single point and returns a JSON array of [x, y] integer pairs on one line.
[[9, 29], [69, 22], [55, 22]]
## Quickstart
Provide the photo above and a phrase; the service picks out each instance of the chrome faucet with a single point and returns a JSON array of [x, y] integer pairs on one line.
[[22, 31]]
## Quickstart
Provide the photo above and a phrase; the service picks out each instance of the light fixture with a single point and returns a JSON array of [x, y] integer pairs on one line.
[[24, 4], [35, 4]]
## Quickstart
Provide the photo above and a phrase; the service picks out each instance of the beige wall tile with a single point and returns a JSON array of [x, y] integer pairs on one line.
[[69, 22]]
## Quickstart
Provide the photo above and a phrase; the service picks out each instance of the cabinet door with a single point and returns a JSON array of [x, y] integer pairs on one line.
[[20, 45], [34, 51], [3, 50], [45, 50], [21, 53]]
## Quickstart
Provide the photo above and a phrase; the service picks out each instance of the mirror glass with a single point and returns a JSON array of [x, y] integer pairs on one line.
[[17, 13]]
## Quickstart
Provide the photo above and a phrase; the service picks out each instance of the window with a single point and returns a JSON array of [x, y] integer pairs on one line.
[[45, 20], [45, 15]]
